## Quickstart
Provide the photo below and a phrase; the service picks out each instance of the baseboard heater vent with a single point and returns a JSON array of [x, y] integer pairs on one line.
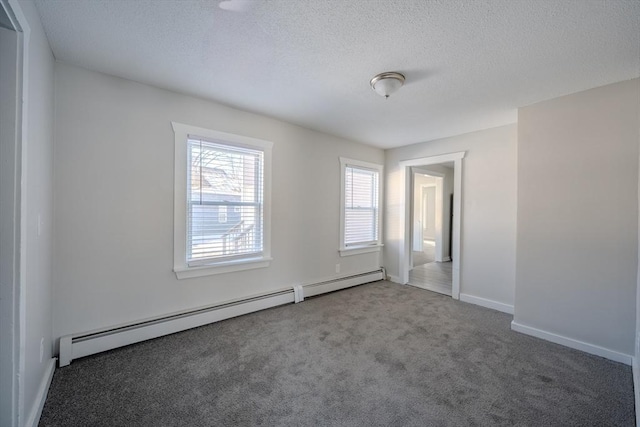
[[84, 344], [326, 286]]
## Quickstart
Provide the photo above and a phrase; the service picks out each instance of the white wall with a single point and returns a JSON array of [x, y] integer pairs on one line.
[[37, 203], [446, 201], [428, 229], [113, 204], [578, 216], [488, 212]]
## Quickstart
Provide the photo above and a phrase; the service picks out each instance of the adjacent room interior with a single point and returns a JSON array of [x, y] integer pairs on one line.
[[338, 212], [432, 232]]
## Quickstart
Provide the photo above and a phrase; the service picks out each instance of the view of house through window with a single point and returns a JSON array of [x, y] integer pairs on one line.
[[361, 206], [224, 202]]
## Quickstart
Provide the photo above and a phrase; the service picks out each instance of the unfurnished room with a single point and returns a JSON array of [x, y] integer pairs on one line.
[[333, 213]]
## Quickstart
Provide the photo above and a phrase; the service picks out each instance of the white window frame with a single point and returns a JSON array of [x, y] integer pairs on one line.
[[180, 266], [359, 249]]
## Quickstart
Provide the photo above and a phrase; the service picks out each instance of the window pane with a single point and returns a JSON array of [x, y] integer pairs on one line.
[[224, 201], [361, 206]]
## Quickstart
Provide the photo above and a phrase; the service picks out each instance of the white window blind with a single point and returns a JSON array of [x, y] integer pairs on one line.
[[224, 202], [361, 206]]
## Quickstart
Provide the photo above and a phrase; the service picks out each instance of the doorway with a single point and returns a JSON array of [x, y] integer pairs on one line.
[[447, 253], [431, 266]]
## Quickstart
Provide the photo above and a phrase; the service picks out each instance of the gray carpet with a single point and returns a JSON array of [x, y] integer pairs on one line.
[[376, 355]]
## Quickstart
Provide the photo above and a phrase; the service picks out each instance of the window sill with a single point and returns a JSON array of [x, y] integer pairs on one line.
[[220, 268], [357, 250]]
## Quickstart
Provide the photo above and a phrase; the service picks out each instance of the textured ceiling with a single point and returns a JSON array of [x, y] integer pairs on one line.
[[5, 22], [469, 64]]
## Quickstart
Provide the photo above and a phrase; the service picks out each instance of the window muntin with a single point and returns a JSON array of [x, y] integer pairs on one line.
[[224, 202]]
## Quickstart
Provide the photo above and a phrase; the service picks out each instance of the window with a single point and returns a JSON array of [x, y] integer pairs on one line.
[[360, 202], [221, 210], [222, 214]]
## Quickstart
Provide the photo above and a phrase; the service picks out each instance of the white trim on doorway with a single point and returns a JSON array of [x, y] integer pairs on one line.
[[635, 369], [38, 405], [13, 410], [405, 213]]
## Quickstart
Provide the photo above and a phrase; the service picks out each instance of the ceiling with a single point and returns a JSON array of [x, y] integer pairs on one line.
[[468, 64], [5, 22]]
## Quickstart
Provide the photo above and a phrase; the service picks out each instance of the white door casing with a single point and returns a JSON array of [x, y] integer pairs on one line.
[[405, 214]]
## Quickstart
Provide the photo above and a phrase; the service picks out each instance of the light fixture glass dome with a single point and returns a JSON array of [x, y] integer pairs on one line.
[[387, 83]]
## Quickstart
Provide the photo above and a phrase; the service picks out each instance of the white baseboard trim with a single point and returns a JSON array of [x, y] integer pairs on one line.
[[573, 343], [92, 342], [488, 303], [41, 397], [635, 366]]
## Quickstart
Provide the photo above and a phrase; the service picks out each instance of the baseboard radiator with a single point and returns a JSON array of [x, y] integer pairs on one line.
[[79, 345]]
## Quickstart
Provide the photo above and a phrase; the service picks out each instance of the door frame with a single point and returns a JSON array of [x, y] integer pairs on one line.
[[14, 287], [406, 196]]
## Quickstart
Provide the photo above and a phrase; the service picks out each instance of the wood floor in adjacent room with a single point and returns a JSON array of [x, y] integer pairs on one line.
[[379, 354], [433, 276]]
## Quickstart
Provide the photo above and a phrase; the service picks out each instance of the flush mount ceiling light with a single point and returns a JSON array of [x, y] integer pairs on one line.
[[236, 5], [387, 83]]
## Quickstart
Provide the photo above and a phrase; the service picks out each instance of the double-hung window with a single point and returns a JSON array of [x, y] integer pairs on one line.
[[221, 202], [360, 207]]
